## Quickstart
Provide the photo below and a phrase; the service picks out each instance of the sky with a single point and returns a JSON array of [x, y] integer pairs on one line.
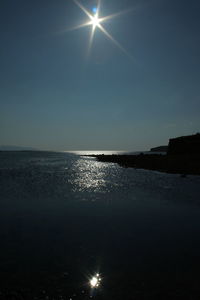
[[130, 95]]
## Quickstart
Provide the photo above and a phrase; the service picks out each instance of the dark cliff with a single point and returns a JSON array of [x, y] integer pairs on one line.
[[184, 145]]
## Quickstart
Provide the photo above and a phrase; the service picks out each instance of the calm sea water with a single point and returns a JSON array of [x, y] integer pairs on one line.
[[65, 217]]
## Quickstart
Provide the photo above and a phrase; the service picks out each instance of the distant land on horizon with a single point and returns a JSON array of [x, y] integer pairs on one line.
[[182, 140], [16, 148], [23, 148]]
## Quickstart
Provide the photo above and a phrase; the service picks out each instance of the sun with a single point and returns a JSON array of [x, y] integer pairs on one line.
[[95, 21]]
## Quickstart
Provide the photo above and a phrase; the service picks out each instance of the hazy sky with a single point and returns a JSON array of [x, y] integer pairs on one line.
[[55, 96]]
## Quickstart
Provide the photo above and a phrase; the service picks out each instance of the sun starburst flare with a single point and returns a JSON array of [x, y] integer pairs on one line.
[[96, 22]]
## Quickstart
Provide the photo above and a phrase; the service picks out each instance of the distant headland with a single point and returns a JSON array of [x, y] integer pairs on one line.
[[159, 149], [182, 157]]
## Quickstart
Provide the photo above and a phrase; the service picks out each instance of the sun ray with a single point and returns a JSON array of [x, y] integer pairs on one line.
[[115, 42], [91, 40], [83, 9], [98, 5], [116, 14], [79, 26]]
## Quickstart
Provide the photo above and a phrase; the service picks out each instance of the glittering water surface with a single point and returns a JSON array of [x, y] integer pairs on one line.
[[65, 218]]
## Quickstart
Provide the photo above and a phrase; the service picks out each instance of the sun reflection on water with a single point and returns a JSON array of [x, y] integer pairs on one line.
[[95, 281], [94, 284], [89, 175]]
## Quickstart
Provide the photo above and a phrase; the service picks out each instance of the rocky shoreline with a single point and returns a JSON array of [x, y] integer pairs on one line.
[[175, 164]]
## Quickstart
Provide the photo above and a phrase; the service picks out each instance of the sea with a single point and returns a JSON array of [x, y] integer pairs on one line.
[[72, 227]]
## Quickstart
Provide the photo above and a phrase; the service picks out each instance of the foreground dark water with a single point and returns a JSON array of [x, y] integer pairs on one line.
[[64, 217]]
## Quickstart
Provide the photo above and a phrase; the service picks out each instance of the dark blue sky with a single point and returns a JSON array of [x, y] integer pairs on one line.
[[53, 96]]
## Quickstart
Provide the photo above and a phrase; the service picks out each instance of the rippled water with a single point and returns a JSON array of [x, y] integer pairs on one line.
[[65, 217]]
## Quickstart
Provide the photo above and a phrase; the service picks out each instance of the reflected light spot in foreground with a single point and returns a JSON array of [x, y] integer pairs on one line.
[[95, 281]]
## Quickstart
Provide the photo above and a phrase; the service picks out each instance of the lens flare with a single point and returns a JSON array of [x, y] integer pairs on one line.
[[94, 10]]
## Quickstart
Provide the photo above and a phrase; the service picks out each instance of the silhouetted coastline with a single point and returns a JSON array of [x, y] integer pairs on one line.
[[182, 157], [182, 164]]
